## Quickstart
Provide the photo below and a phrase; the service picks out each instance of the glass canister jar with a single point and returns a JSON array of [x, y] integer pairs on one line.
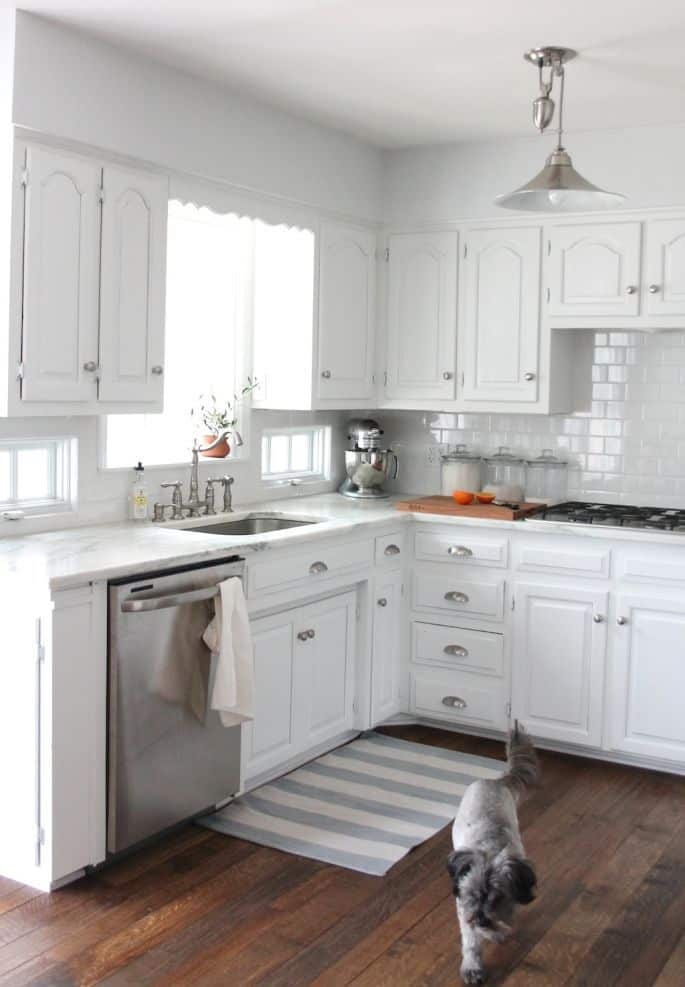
[[460, 470], [505, 475], [546, 478]]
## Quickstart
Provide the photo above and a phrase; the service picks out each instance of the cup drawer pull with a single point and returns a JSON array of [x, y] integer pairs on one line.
[[454, 702], [457, 650], [461, 551], [454, 597], [391, 550], [317, 567]]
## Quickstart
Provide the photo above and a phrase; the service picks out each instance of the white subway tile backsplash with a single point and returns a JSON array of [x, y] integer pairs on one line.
[[630, 446]]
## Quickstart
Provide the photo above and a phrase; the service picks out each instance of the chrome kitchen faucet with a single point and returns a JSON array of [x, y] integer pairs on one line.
[[194, 506]]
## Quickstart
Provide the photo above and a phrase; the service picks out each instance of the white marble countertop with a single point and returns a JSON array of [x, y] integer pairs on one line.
[[72, 557]]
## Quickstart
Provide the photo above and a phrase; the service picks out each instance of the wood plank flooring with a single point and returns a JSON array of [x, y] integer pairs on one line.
[[203, 909]]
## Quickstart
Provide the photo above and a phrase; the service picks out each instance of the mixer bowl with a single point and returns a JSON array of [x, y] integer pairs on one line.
[[367, 470]]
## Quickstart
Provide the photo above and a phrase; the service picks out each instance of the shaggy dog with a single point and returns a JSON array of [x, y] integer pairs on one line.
[[489, 871]]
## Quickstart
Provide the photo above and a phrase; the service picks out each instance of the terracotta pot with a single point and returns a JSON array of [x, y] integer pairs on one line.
[[218, 452]]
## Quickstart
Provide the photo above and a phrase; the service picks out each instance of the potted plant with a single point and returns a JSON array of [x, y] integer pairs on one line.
[[217, 416]]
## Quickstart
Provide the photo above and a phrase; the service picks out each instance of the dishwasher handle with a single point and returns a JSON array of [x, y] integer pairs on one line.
[[172, 600]]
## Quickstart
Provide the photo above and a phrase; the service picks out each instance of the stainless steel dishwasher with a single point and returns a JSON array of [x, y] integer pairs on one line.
[[165, 763]]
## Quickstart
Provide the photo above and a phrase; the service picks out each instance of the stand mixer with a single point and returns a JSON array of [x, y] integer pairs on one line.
[[367, 465]]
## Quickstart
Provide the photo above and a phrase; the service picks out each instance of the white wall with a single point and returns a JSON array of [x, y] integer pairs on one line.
[[73, 86], [460, 181]]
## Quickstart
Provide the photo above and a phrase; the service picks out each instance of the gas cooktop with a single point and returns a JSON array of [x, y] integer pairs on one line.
[[615, 515]]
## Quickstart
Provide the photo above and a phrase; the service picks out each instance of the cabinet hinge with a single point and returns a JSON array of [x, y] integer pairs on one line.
[[385, 377], [387, 254], [513, 603], [357, 612], [549, 247], [548, 294], [466, 249], [355, 705], [373, 378], [101, 195], [462, 378], [40, 653], [507, 709], [24, 179], [20, 370]]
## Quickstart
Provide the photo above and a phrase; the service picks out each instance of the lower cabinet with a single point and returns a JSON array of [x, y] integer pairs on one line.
[[558, 664], [386, 658], [647, 677], [304, 681]]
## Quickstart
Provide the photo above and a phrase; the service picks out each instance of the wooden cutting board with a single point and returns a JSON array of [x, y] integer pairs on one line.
[[447, 505]]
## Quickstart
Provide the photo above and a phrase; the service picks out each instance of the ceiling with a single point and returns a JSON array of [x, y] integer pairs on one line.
[[407, 72]]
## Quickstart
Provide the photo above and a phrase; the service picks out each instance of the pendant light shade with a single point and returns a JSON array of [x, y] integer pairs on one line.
[[558, 187]]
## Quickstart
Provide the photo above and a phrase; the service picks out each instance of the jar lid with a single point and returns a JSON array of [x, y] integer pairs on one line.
[[503, 455], [548, 460], [461, 453]]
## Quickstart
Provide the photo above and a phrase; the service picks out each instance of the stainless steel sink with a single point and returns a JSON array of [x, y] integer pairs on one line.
[[252, 524]]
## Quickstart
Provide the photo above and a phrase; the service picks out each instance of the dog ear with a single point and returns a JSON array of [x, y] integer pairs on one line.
[[459, 863], [521, 879]]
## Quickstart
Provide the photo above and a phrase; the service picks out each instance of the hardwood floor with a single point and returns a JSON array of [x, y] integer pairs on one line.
[[203, 909]]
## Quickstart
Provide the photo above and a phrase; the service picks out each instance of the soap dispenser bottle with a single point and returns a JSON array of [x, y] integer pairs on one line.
[[139, 498]]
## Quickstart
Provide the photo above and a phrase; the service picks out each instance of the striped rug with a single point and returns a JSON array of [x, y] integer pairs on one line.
[[363, 806]]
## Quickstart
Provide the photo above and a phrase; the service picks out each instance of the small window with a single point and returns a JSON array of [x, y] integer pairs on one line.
[[295, 453], [35, 475]]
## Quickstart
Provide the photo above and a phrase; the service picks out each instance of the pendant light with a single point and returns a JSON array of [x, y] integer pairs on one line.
[[558, 187]]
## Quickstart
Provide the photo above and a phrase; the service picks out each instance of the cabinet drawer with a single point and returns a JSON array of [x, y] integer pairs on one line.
[[389, 548], [458, 593], [459, 697], [458, 647], [314, 565], [462, 547], [666, 565], [544, 556]]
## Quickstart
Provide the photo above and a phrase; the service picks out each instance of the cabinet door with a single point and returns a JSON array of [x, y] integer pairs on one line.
[[647, 680], [324, 656], [558, 667], [500, 298], [422, 316], [347, 300], [594, 269], [270, 738], [386, 659], [61, 256], [132, 286], [665, 267]]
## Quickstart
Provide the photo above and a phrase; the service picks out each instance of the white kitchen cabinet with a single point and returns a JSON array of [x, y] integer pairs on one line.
[[61, 269], [421, 316], [388, 620], [593, 270], [347, 306], [665, 268], [647, 677], [560, 635], [499, 326], [132, 286], [304, 681], [90, 326]]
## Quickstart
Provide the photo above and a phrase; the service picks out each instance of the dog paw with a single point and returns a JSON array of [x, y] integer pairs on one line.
[[473, 975]]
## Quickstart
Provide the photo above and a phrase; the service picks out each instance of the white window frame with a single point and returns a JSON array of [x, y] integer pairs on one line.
[[320, 438], [61, 466]]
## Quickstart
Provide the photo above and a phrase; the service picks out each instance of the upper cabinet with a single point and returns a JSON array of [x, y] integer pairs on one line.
[[89, 333], [421, 316], [499, 323], [594, 270], [347, 306], [665, 268]]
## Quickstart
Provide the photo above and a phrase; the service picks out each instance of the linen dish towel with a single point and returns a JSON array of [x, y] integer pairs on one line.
[[228, 637]]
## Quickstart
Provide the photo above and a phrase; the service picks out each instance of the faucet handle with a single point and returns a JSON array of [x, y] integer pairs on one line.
[[227, 482], [176, 499], [209, 494], [172, 483]]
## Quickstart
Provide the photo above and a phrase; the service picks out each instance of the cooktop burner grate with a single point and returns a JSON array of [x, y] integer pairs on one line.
[[615, 515]]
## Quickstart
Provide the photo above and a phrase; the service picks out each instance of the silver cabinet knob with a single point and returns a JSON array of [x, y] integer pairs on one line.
[[457, 650], [461, 551], [653, 289], [621, 621], [326, 374], [455, 597], [90, 366], [447, 375], [391, 550], [311, 633], [303, 636], [598, 618], [529, 376], [454, 702], [382, 602], [157, 370], [317, 567], [631, 289]]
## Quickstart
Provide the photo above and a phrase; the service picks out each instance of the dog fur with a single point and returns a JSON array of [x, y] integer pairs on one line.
[[489, 870]]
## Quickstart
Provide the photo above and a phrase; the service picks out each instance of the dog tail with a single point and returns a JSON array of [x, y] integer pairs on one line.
[[524, 768]]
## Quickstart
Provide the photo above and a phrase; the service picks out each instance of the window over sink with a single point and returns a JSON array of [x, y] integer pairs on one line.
[[224, 273]]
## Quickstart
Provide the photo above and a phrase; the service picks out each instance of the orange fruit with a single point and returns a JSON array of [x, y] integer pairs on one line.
[[463, 497]]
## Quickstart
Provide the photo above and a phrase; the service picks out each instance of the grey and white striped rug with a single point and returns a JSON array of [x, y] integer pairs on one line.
[[363, 806]]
